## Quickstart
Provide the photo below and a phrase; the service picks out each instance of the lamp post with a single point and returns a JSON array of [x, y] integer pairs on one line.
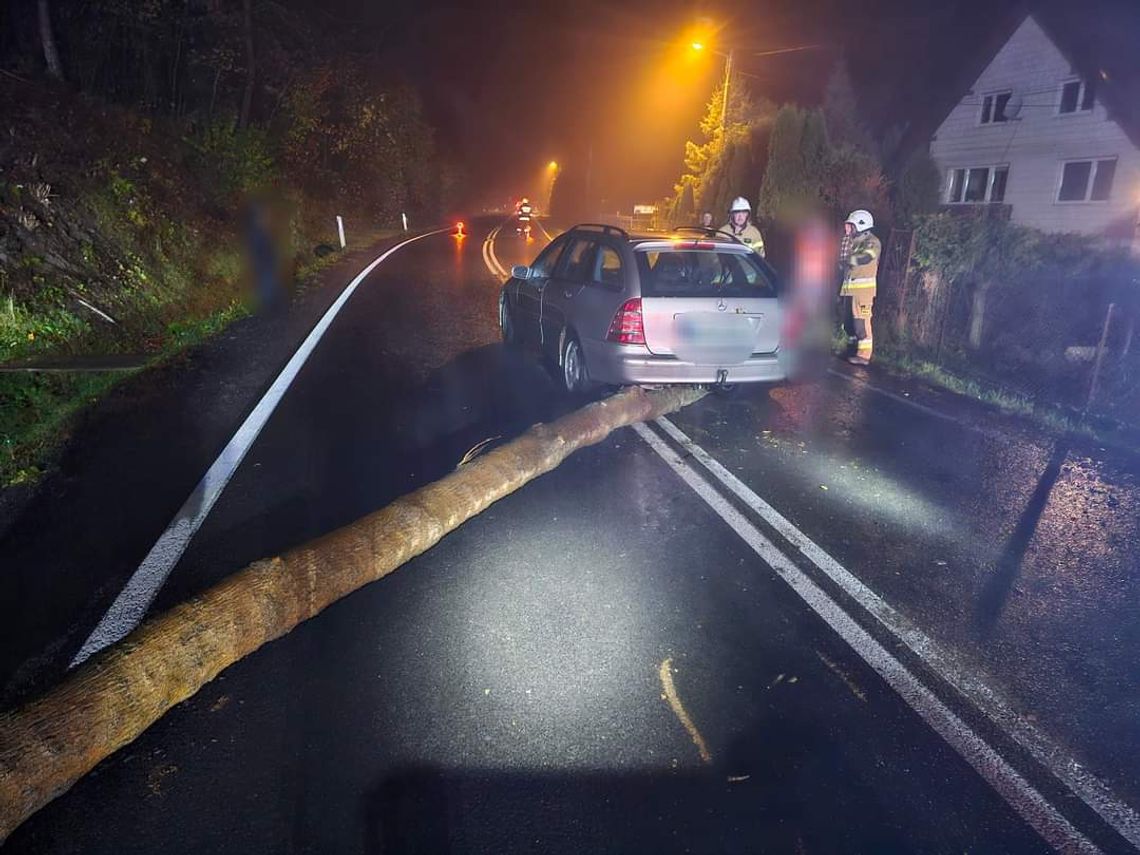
[[729, 60], [727, 81], [552, 170]]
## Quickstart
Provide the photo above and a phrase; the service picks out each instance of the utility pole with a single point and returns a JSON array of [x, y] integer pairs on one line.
[[727, 81]]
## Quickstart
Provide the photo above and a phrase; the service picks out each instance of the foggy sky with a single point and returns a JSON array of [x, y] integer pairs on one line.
[[512, 85]]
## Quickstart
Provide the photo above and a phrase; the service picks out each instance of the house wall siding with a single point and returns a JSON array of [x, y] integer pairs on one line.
[[1037, 143]]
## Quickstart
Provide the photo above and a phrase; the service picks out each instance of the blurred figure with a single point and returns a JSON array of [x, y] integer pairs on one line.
[[807, 309], [740, 226], [859, 264], [264, 229], [523, 213], [707, 220]]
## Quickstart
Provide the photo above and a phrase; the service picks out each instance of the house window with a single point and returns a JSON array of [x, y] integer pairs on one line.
[[993, 108], [977, 184], [1077, 96], [1087, 180]]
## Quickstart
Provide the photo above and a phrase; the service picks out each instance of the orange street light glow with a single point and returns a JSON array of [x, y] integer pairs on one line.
[[697, 46], [552, 165]]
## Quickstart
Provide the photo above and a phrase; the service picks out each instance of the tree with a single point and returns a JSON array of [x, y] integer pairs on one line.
[[722, 165], [917, 190], [250, 64], [808, 171], [687, 206], [841, 111], [47, 40], [853, 179], [797, 164]]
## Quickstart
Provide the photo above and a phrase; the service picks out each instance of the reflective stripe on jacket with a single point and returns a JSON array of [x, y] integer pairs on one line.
[[749, 235], [863, 262]]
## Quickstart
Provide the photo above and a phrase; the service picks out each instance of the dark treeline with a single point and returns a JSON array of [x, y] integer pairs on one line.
[[270, 90]]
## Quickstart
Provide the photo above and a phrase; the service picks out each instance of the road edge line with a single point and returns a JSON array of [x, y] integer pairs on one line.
[[130, 606]]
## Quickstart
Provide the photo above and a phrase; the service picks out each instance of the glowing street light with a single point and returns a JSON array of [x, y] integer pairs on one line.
[[552, 166], [697, 46]]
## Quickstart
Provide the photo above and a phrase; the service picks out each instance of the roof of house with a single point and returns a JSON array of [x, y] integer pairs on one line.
[[1097, 37], [1100, 39]]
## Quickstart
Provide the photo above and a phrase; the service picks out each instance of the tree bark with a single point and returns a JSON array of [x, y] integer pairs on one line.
[[47, 37], [47, 745], [250, 65]]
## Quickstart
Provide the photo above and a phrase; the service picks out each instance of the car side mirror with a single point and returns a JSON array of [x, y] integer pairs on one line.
[[520, 271]]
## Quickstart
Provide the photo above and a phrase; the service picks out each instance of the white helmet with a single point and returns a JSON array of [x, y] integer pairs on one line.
[[861, 220], [741, 204]]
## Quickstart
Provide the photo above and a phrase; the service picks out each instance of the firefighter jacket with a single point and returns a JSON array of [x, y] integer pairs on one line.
[[749, 235], [862, 262]]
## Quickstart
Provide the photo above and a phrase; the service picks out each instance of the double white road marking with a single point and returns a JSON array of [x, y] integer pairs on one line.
[[1018, 792]]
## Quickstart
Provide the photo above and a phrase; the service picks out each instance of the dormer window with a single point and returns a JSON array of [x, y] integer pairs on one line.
[[1077, 96], [993, 108]]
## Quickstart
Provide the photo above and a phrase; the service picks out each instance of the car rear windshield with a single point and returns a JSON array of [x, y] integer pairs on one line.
[[704, 273]]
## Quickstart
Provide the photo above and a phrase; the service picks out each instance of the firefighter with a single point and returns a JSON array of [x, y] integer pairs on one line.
[[738, 225], [859, 263]]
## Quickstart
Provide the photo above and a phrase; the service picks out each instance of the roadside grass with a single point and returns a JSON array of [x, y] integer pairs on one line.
[[1048, 416], [38, 410]]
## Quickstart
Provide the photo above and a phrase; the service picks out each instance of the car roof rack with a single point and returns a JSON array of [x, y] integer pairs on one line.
[[710, 232], [602, 227]]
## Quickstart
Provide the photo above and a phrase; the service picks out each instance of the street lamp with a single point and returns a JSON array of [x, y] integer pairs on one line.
[[729, 58]]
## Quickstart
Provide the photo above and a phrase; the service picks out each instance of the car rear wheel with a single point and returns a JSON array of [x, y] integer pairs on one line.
[[574, 377]]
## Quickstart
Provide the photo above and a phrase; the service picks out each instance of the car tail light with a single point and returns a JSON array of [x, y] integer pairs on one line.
[[627, 326]]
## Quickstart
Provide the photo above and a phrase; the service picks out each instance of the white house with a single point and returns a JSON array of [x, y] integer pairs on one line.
[[1049, 131]]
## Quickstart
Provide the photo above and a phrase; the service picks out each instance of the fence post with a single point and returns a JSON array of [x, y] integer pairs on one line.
[[944, 287], [904, 295], [1100, 356], [340, 229]]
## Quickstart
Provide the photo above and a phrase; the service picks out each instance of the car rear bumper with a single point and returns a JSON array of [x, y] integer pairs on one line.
[[626, 364]]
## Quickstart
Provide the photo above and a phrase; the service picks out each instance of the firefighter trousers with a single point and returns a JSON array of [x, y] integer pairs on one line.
[[858, 301]]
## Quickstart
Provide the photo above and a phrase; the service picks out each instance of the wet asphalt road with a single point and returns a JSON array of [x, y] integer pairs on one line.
[[503, 692]]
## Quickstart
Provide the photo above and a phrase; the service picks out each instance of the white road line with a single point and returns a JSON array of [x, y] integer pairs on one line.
[[1003, 778], [129, 608], [922, 408], [544, 231], [1087, 787]]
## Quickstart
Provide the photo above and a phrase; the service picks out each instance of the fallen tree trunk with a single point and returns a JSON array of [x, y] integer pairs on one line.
[[47, 745]]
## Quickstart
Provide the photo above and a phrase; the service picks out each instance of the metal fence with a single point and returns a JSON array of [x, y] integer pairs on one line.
[[1060, 340]]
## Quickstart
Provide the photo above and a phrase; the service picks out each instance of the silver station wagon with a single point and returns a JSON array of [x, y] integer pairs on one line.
[[693, 306]]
